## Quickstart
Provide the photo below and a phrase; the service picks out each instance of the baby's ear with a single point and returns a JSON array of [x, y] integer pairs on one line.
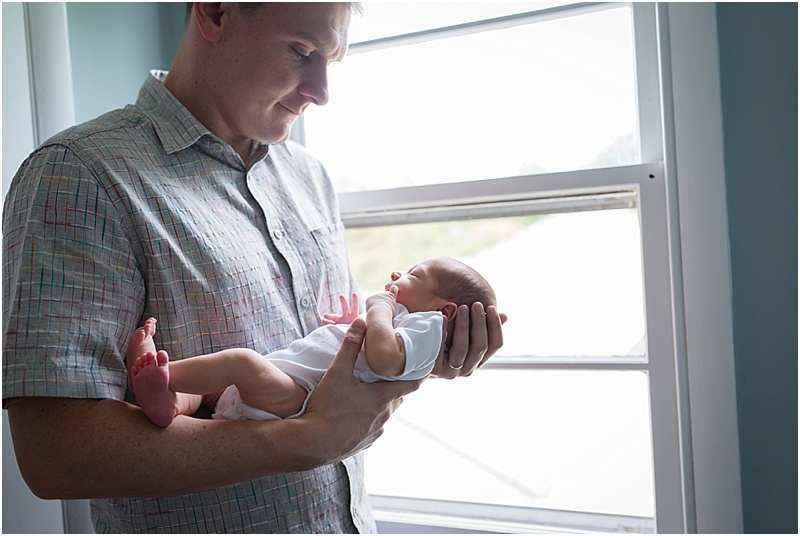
[[449, 311]]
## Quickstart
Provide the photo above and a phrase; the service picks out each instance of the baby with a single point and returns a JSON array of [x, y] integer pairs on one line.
[[405, 327]]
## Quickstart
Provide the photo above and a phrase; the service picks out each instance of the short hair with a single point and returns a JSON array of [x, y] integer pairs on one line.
[[251, 7], [463, 285]]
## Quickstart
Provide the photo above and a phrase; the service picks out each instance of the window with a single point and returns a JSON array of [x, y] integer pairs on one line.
[[526, 141], [515, 97]]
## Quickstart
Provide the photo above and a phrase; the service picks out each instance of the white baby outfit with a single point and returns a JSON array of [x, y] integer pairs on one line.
[[306, 360]]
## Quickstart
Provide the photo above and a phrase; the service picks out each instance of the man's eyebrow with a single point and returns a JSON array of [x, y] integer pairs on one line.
[[309, 38], [303, 36]]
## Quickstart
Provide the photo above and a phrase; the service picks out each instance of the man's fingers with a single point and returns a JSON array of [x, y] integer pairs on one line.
[[458, 351], [477, 335], [478, 340], [450, 364], [494, 327]]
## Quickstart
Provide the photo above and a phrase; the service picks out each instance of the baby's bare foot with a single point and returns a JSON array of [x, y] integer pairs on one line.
[[150, 380], [142, 341]]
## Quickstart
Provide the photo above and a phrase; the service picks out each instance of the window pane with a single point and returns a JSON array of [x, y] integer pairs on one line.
[[545, 97], [566, 440], [570, 283]]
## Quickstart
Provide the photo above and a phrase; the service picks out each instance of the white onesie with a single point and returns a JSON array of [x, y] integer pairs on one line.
[[306, 360]]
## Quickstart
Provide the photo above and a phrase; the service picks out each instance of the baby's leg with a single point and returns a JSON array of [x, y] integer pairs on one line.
[[260, 383], [270, 389]]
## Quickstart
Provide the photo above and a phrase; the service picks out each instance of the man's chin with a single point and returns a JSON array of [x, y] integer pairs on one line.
[[278, 135]]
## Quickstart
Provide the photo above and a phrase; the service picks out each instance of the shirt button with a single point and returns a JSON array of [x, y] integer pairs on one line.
[[305, 301], [278, 234]]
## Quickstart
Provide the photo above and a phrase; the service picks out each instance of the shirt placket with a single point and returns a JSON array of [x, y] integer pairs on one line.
[[290, 239]]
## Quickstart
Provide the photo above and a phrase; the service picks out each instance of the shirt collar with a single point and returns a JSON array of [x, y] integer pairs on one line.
[[176, 127]]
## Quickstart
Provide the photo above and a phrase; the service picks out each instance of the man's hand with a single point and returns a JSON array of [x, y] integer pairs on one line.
[[478, 336], [353, 413]]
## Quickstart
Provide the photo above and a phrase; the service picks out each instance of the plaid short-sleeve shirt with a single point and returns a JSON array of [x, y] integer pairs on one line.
[[143, 212]]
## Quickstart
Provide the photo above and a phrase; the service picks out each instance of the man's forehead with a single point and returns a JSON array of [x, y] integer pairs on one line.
[[322, 24]]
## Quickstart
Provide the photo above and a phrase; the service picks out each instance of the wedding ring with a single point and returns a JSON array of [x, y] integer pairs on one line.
[[447, 357], [449, 364]]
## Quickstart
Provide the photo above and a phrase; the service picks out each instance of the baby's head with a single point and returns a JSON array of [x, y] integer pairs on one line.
[[441, 284]]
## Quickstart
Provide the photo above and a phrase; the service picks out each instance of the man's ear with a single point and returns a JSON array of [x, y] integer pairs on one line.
[[208, 17], [449, 311]]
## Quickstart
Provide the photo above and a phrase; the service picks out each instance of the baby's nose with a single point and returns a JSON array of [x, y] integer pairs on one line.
[[395, 276]]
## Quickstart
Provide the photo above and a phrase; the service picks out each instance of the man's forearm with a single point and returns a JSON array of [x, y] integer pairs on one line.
[[73, 448]]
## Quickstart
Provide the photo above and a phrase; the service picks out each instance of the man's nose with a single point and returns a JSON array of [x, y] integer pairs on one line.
[[314, 86]]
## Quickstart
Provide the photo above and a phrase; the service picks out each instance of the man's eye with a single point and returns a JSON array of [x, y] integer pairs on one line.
[[300, 55]]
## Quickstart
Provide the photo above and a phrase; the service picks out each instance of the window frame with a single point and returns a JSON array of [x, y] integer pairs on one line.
[[687, 291]]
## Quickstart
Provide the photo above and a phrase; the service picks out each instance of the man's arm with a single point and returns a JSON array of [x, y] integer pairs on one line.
[[73, 448]]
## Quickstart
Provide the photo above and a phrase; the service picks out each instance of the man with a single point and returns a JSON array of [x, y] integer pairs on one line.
[[188, 207]]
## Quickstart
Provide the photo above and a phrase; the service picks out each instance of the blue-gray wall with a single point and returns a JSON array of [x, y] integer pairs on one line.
[[114, 45], [758, 67]]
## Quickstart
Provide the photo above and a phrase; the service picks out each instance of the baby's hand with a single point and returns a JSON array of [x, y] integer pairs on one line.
[[386, 299], [349, 313]]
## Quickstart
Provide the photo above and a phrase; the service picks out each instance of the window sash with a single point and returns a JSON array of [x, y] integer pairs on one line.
[[534, 194], [493, 518]]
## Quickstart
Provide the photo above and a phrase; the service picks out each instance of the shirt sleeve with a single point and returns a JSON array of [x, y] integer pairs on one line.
[[72, 293], [422, 336]]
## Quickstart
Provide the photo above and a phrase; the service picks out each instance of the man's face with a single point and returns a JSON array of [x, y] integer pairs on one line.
[[276, 65]]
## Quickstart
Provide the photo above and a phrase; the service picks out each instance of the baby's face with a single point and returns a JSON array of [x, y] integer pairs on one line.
[[417, 287]]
